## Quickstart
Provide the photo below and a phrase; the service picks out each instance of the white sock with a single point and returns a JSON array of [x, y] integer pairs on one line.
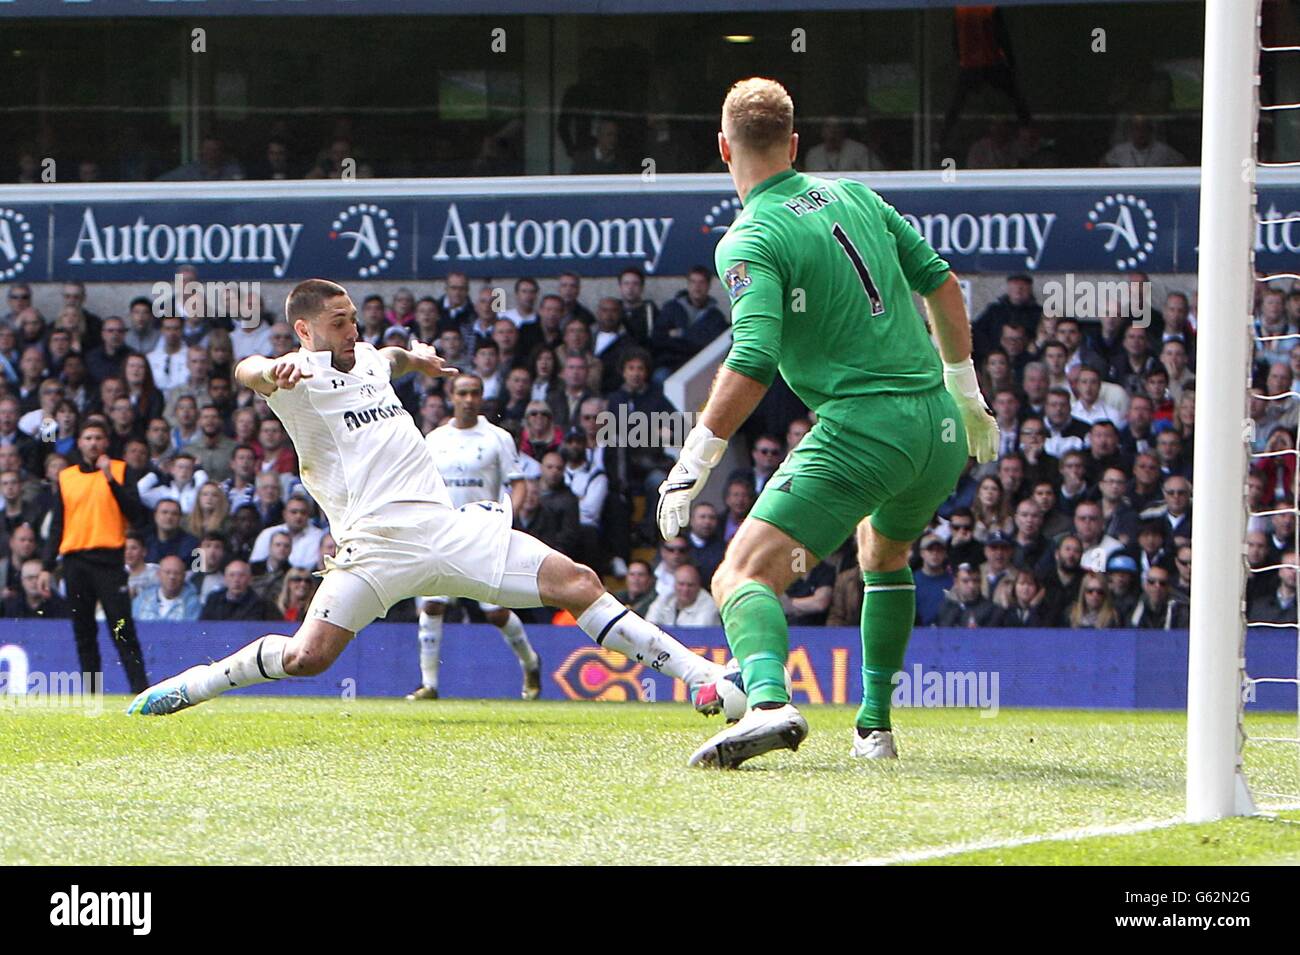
[[430, 649], [259, 662], [514, 634], [613, 626]]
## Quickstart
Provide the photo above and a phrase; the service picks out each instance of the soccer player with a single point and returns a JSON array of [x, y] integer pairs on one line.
[[365, 462], [821, 274], [477, 461]]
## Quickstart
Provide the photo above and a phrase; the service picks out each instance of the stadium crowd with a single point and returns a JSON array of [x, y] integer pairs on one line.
[[1083, 521]]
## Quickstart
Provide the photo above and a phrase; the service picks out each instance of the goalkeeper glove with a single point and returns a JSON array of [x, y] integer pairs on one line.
[[982, 437], [700, 454]]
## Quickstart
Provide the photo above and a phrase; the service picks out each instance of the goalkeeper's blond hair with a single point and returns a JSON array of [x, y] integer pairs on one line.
[[758, 116]]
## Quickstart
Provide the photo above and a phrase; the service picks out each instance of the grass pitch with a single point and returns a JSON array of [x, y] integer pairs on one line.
[[316, 781]]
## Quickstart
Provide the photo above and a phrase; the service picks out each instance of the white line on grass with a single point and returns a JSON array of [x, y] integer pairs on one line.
[[1067, 835], [1086, 832]]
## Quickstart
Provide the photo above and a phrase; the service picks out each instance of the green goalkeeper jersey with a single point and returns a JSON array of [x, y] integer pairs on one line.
[[820, 275]]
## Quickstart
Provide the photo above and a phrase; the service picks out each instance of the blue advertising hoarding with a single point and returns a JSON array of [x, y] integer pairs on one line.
[[410, 230], [1086, 669]]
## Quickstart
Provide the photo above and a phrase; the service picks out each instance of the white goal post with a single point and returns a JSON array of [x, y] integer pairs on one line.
[[1215, 783]]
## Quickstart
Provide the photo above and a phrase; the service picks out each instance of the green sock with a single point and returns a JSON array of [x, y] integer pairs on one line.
[[760, 641], [888, 609]]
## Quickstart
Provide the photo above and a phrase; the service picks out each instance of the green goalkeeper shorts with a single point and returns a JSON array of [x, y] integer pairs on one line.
[[897, 460]]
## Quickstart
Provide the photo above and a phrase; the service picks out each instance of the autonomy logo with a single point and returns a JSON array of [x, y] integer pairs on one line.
[[1127, 219], [589, 673], [16, 243], [720, 216], [380, 250]]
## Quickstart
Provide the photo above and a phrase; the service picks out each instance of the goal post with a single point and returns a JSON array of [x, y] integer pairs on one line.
[[1215, 784]]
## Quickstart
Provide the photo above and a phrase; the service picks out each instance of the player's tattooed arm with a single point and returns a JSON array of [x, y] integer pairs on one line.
[[266, 375], [419, 357]]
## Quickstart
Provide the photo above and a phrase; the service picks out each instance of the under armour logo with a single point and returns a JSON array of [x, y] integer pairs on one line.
[[337, 382], [324, 613], [230, 681]]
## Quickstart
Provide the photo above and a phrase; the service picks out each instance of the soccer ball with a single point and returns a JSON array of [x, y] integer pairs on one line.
[[731, 690]]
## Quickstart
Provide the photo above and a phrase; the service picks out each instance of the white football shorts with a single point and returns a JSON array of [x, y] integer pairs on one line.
[[411, 549]]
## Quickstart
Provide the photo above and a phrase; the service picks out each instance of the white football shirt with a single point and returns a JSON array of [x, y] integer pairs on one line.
[[478, 463], [358, 448]]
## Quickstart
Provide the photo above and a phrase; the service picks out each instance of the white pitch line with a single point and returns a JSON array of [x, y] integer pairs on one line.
[[1087, 832]]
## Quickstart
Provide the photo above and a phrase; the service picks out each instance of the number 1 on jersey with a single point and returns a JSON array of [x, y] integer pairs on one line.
[[864, 273]]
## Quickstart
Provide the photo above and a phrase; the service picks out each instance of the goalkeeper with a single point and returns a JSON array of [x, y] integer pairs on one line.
[[821, 274]]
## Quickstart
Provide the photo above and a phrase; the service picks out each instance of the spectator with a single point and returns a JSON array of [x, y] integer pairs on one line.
[[245, 525], [1144, 490], [1088, 407], [1119, 520], [807, 600], [590, 485], [689, 605], [687, 322], [210, 561], [140, 573], [168, 359], [963, 548], [966, 605], [1030, 544], [144, 332], [274, 449], [518, 394], [213, 450], [1278, 603], [1176, 511], [1064, 431], [739, 500], [95, 505], [569, 287], [1182, 583], [168, 538], [640, 316], [564, 401], [212, 164], [182, 486], [545, 371], [1142, 148], [706, 546], [639, 593], [540, 435], [23, 546], [171, 598], [1024, 604], [1016, 306], [604, 156], [610, 342], [305, 536], [795, 432], [1074, 481], [487, 365], [295, 595], [562, 503], [106, 360], [240, 487], [237, 600], [766, 457], [1136, 436], [933, 580], [1061, 576], [990, 509], [35, 601], [269, 574], [1093, 608], [525, 310], [1121, 580], [1159, 609], [1091, 531], [838, 153], [269, 498]]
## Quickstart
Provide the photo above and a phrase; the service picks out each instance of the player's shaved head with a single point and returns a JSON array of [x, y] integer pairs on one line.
[[758, 115], [307, 300]]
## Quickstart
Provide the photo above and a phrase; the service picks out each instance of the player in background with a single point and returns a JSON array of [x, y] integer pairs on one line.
[[821, 275], [478, 462], [365, 462]]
